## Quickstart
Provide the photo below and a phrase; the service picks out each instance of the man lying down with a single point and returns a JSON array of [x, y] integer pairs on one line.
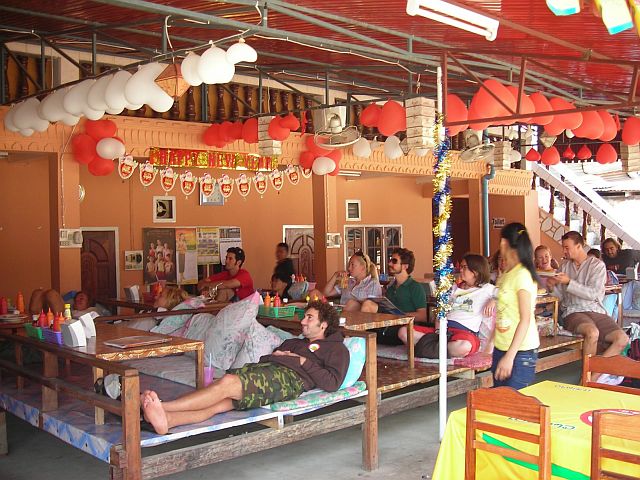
[[319, 360]]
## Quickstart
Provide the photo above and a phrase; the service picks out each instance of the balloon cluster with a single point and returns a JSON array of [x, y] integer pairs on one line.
[[281, 127], [215, 65], [389, 119], [220, 134], [98, 146], [321, 161]]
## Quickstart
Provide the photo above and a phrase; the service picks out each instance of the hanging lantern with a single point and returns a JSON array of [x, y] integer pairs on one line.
[[532, 155], [606, 154], [584, 153], [550, 156], [568, 153], [172, 82]]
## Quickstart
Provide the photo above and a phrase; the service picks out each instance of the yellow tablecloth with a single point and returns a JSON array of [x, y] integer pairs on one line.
[[571, 408]]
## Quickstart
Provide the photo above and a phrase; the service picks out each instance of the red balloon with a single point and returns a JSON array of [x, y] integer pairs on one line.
[[312, 147], [616, 118], [276, 131], [610, 131], [306, 159], [554, 129], [550, 156], [526, 105], [212, 136], [336, 170], [564, 121], [250, 130], [371, 115], [101, 167], [592, 125], [484, 105], [541, 104], [584, 153], [532, 155], [335, 155], [631, 131], [99, 129], [393, 119], [84, 148], [291, 122], [568, 153], [226, 132], [456, 112], [606, 154], [236, 130]]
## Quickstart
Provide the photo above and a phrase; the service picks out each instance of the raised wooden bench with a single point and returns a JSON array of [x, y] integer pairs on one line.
[[558, 350]]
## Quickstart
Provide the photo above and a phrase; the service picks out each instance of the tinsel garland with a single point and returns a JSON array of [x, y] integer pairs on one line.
[[442, 265]]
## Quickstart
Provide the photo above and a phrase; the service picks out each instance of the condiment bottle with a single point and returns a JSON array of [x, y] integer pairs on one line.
[[267, 300], [56, 323], [50, 318], [43, 321], [67, 312], [4, 306], [20, 302], [276, 301]]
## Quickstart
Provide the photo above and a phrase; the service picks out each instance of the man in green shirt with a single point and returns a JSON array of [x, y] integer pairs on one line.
[[403, 291]]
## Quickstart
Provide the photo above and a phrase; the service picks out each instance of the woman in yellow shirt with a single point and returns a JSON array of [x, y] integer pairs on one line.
[[516, 335]]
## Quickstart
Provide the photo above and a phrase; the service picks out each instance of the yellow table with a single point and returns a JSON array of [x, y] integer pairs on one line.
[[571, 408]]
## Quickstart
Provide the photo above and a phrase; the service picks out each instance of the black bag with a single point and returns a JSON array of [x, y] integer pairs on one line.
[[427, 346]]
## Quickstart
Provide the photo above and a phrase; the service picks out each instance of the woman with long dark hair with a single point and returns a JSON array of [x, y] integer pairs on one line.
[[516, 335]]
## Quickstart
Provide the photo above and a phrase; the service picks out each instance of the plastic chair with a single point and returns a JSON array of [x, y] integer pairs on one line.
[[617, 365], [624, 426], [507, 402]]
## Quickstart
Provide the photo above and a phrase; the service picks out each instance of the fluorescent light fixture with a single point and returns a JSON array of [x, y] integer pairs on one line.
[[349, 173], [459, 17]]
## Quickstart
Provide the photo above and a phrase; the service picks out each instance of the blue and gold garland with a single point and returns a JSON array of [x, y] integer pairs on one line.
[[442, 265]]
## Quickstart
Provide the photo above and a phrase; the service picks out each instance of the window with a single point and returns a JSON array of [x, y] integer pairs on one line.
[[376, 241], [353, 210]]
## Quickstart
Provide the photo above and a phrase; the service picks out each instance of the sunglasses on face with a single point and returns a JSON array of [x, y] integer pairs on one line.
[[394, 260]]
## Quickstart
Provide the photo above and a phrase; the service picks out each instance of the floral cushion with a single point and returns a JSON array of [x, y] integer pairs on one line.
[[173, 324], [319, 398], [357, 357]]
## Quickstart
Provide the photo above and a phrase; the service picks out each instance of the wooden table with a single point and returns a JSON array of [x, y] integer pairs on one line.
[[104, 332], [14, 328]]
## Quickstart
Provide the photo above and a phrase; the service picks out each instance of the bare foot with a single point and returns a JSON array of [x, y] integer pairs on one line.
[[155, 414]]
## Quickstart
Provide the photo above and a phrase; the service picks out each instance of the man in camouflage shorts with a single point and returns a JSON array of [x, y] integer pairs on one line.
[[319, 360]]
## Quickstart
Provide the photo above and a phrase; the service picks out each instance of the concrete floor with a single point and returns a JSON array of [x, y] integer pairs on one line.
[[408, 449]]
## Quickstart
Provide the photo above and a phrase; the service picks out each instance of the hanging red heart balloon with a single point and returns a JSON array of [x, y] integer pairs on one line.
[[306, 159], [592, 125], [550, 156], [532, 155], [250, 130], [371, 115], [541, 104], [606, 154], [584, 153], [236, 130], [84, 148], [631, 131], [609, 131], [101, 167], [526, 104], [456, 112], [393, 118], [291, 122], [484, 105], [276, 131], [99, 129], [568, 153], [226, 132]]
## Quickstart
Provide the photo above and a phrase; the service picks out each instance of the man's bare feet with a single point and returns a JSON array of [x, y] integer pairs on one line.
[[155, 414]]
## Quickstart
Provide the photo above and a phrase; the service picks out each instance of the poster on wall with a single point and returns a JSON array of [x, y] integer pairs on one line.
[[186, 256], [229, 237], [160, 245], [208, 245]]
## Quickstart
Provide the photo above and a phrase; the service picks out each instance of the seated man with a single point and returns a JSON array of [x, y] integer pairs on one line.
[[284, 265], [234, 283], [404, 292], [580, 286], [319, 360], [43, 300]]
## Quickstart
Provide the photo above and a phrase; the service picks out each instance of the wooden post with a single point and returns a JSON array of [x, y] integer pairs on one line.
[[49, 370], [200, 366], [370, 425], [552, 200], [98, 412], [4, 443], [220, 110], [567, 211], [411, 353], [131, 424], [585, 223], [603, 233]]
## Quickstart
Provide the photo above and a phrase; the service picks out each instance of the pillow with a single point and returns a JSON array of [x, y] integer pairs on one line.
[[298, 290], [258, 341], [172, 324], [635, 296], [357, 357]]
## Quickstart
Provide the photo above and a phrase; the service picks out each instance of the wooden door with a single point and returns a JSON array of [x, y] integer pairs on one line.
[[301, 248], [460, 229], [98, 264]]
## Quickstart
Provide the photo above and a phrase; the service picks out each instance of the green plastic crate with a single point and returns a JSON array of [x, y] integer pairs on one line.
[[277, 312], [35, 332]]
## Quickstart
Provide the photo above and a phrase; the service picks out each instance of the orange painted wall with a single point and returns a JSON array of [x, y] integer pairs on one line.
[[112, 202], [523, 209], [25, 260]]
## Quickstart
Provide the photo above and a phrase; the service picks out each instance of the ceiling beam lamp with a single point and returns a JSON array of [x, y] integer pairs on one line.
[[455, 16]]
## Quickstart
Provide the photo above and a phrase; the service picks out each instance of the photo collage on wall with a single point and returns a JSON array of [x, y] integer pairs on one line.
[[173, 254]]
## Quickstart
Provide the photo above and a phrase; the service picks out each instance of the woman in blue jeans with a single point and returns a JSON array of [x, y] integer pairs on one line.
[[516, 335]]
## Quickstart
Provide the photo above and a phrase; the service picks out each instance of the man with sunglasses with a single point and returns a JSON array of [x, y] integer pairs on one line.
[[403, 291], [234, 282]]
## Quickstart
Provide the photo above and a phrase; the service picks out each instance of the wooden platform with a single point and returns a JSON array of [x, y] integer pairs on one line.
[[396, 374], [558, 350]]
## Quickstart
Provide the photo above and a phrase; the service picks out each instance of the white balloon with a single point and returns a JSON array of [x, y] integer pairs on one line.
[[362, 148], [26, 132], [226, 72], [213, 66], [70, 120], [93, 114], [114, 93], [569, 133], [189, 69], [75, 101], [241, 52], [131, 106], [161, 102], [26, 116], [51, 107], [8, 120], [323, 165], [138, 88], [96, 96], [392, 147], [515, 156], [110, 148], [114, 111]]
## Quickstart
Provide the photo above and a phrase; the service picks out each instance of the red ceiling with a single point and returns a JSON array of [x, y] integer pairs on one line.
[[526, 28]]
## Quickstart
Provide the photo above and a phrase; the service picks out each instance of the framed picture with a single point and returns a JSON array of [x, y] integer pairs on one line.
[[214, 200], [133, 260], [164, 209]]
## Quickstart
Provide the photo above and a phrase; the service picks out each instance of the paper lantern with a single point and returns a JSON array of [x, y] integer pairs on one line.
[[550, 156], [371, 115], [172, 82], [584, 153], [631, 131], [456, 112], [393, 118], [568, 153], [306, 159], [526, 105], [541, 104], [99, 129], [101, 167], [606, 154], [592, 125], [532, 155], [610, 130], [83, 147], [250, 130]]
